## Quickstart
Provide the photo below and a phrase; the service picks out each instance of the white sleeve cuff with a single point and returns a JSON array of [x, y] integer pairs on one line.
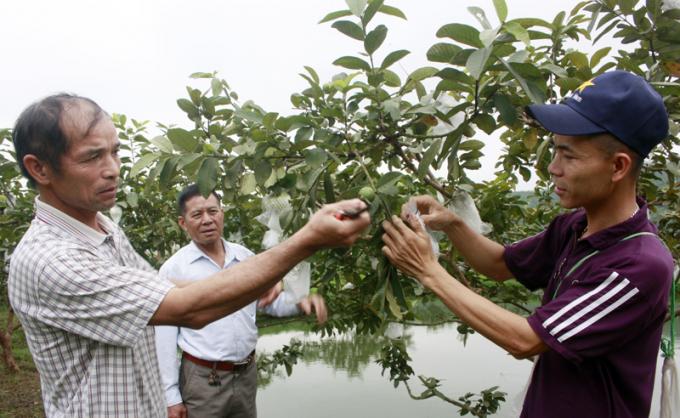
[[172, 396], [282, 306]]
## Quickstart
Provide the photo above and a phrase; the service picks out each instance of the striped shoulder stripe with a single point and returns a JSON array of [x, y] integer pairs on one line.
[[557, 315], [612, 289], [578, 315], [599, 316]]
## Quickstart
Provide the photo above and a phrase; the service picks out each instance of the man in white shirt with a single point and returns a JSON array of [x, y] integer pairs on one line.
[[218, 375]]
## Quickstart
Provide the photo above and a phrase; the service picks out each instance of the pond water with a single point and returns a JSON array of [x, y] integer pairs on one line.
[[338, 377]]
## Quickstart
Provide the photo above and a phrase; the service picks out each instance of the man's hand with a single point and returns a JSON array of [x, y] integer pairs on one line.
[[325, 230], [270, 295], [409, 248], [314, 303], [435, 216], [177, 411]]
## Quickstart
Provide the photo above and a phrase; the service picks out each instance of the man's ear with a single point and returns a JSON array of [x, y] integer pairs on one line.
[[182, 224], [622, 166], [40, 171]]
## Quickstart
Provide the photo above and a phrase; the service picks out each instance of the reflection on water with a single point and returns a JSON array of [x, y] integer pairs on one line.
[[351, 354], [338, 377]]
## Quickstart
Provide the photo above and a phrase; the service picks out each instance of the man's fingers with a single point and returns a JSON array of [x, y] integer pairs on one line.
[[265, 300], [314, 304], [353, 227], [388, 253], [352, 205], [427, 204], [427, 219], [404, 230], [304, 306], [327, 228], [177, 411], [320, 309], [270, 295], [393, 236], [415, 225], [389, 229], [387, 239], [395, 232]]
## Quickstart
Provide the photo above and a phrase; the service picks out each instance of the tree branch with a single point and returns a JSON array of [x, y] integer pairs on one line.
[[409, 164], [432, 392]]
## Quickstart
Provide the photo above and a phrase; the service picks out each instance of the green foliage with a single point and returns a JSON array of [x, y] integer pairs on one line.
[[370, 128], [147, 201], [482, 405], [16, 207], [287, 357], [393, 357]]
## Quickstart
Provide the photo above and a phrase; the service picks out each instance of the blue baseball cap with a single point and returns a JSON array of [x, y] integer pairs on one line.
[[615, 102]]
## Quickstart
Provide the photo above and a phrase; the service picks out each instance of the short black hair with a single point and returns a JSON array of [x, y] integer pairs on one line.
[[188, 193], [40, 131], [611, 145]]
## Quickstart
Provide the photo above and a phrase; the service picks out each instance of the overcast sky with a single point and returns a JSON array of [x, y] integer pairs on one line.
[[135, 56]]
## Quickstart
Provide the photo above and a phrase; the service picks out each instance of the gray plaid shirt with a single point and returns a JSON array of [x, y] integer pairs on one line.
[[84, 300]]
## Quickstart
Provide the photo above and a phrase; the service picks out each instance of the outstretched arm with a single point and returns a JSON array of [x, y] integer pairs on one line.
[[225, 292], [409, 249]]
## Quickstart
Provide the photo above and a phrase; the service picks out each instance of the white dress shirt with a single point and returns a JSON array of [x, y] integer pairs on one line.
[[231, 338]]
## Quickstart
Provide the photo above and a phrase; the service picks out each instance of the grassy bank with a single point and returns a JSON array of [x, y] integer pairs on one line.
[[19, 392]]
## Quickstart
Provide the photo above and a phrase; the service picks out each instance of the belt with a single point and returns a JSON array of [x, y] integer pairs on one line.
[[221, 365]]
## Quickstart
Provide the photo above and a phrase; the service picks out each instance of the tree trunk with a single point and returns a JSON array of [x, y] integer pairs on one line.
[[6, 343]]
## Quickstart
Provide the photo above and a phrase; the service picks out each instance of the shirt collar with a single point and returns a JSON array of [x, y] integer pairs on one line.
[[615, 233], [232, 252], [53, 216]]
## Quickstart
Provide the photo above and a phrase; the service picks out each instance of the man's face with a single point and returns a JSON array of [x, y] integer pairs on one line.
[[203, 219], [581, 171], [87, 181]]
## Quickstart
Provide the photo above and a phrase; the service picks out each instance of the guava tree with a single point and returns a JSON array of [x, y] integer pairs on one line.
[[16, 211], [394, 136], [372, 131]]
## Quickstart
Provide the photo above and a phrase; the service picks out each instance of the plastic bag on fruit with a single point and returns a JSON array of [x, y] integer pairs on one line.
[[670, 395], [116, 214], [394, 331], [517, 403], [297, 282], [463, 206], [667, 5], [444, 103], [272, 210]]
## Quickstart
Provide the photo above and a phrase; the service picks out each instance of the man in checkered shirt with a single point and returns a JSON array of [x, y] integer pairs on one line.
[[86, 299]]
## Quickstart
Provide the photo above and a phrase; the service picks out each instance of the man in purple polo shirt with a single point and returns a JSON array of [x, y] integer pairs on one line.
[[605, 273]]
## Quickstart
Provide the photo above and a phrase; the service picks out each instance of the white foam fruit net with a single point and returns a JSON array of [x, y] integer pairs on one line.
[[463, 206], [670, 395], [297, 282]]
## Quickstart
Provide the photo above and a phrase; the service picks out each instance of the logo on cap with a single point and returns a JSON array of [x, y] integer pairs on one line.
[[576, 95], [585, 85]]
